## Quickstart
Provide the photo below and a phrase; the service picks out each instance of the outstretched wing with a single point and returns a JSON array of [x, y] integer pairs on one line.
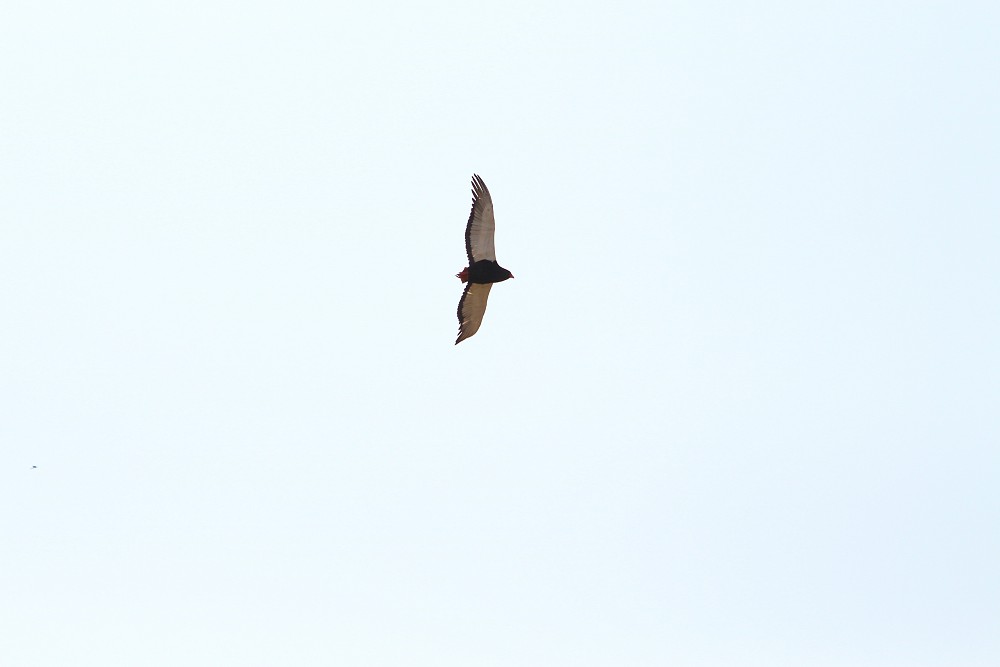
[[479, 231], [471, 309]]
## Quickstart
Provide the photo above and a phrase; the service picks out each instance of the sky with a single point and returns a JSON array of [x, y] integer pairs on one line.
[[738, 408]]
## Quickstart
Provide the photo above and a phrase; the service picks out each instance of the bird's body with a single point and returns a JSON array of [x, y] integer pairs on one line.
[[483, 269], [484, 272]]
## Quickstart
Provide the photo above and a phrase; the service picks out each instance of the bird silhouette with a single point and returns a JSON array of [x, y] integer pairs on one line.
[[483, 269]]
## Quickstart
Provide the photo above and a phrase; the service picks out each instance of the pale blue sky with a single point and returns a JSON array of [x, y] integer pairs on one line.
[[739, 406]]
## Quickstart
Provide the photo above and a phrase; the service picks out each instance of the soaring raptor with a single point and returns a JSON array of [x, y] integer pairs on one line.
[[483, 269]]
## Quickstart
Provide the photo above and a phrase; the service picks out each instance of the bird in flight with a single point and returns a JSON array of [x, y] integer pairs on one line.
[[483, 269]]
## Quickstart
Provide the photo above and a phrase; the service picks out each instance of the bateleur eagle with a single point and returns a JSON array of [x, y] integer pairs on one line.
[[483, 269]]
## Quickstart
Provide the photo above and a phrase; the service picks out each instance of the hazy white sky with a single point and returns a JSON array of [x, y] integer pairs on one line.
[[739, 407]]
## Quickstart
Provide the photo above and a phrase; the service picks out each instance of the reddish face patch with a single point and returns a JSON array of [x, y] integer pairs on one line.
[[464, 275]]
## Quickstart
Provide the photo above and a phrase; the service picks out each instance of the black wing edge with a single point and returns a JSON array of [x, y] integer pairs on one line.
[[478, 189], [461, 302]]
